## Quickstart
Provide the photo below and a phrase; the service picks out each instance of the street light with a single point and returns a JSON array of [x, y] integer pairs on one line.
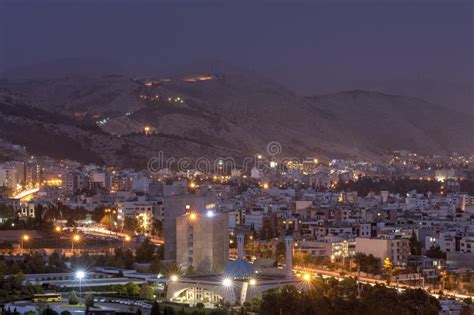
[[80, 274], [253, 282], [57, 229], [75, 239], [24, 238], [227, 282], [307, 277], [174, 278], [126, 239]]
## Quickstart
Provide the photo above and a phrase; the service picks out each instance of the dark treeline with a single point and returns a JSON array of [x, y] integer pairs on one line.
[[341, 298]]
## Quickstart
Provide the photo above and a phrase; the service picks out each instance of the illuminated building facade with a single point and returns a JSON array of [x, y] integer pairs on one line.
[[202, 241]]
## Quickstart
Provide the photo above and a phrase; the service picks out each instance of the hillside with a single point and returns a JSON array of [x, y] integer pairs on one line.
[[103, 118]]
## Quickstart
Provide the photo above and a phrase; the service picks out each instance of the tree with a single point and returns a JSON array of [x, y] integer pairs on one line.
[[123, 259], [48, 311], [155, 309], [367, 263], [130, 225], [415, 246], [146, 292], [89, 300], [73, 299], [200, 305], [145, 251], [387, 266], [158, 228], [435, 252], [107, 220], [132, 289]]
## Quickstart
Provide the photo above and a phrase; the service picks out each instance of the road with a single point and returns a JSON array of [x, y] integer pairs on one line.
[[25, 193], [372, 281], [101, 231]]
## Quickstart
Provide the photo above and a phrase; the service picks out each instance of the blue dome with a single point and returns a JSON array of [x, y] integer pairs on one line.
[[239, 269]]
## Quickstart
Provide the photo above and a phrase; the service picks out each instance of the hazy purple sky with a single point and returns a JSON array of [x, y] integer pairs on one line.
[[302, 44]]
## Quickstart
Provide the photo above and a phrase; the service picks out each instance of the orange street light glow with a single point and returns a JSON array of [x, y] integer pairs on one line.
[[26, 237], [76, 238], [193, 216]]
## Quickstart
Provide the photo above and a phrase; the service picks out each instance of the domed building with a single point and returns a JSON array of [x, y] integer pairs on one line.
[[239, 269], [238, 283]]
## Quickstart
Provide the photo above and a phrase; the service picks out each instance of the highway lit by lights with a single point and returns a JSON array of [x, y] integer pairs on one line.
[[26, 193]]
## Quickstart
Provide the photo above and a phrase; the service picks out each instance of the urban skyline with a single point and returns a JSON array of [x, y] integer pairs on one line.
[[266, 157]]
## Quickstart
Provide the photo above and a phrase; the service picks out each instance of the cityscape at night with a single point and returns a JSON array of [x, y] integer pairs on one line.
[[236, 157]]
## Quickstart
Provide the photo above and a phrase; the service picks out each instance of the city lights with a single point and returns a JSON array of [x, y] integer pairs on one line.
[[193, 216], [169, 182], [227, 282], [80, 274]]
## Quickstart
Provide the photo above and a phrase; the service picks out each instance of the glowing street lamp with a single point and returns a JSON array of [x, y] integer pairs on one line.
[[252, 282], [80, 274], [24, 238], [75, 239], [174, 278], [57, 229], [307, 277], [193, 216], [126, 239], [227, 282]]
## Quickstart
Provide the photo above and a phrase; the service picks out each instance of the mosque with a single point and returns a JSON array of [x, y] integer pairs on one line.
[[240, 281]]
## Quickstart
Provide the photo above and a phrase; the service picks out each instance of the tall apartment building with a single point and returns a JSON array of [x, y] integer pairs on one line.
[[202, 241], [12, 174], [396, 249], [175, 206]]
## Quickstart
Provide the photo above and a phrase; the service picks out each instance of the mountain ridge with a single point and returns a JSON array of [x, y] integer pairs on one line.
[[235, 115]]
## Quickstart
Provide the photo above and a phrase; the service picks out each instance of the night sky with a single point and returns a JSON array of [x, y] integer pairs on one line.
[[310, 47]]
